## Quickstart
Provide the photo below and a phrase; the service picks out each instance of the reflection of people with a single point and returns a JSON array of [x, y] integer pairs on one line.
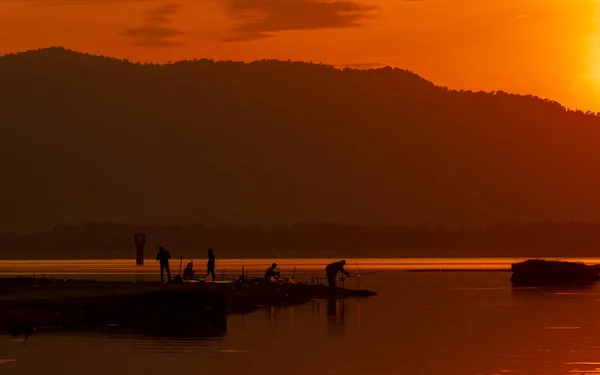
[[331, 307], [163, 256], [333, 269], [335, 307], [272, 274], [335, 317], [188, 272], [211, 265]]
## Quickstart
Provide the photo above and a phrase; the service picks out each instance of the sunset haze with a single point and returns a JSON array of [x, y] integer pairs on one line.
[[549, 48]]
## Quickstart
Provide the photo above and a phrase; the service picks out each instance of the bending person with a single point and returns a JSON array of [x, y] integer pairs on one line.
[[272, 274], [333, 269]]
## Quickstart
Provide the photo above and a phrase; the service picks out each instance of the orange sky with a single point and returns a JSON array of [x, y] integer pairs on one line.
[[549, 48]]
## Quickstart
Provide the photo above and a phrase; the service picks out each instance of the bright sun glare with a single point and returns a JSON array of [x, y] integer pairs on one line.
[[592, 73]]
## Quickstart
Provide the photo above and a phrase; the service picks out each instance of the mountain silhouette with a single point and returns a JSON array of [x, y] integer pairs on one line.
[[91, 138]]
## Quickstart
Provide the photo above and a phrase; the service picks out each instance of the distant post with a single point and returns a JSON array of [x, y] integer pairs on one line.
[[140, 241]]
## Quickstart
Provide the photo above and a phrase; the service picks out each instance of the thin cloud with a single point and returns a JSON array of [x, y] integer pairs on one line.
[[160, 15], [165, 10], [156, 36], [155, 32], [247, 37], [258, 19], [157, 20], [73, 2]]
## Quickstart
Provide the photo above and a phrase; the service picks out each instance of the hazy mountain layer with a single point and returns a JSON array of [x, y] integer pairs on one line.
[[86, 138]]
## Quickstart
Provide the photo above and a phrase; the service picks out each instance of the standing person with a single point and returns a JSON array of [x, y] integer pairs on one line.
[[163, 257], [211, 265], [333, 269]]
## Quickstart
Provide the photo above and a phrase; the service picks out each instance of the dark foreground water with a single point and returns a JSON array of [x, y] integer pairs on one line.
[[421, 323]]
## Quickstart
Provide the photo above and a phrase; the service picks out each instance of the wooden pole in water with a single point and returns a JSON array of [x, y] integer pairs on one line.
[[357, 277], [180, 264]]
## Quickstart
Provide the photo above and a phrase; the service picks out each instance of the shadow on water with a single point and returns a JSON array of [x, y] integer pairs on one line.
[[211, 328], [182, 331]]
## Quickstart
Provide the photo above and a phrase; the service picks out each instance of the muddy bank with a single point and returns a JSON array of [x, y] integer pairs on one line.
[[28, 303]]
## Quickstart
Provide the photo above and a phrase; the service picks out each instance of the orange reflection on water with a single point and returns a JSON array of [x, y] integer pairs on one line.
[[258, 266]]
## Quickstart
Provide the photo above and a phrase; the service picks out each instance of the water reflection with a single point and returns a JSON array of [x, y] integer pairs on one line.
[[411, 327], [336, 314], [548, 291], [274, 314], [183, 330], [194, 331], [271, 313]]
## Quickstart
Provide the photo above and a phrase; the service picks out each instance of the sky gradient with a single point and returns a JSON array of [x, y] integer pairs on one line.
[[549, 48]]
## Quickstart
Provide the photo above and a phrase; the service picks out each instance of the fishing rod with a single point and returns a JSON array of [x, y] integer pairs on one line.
[[363, 274], [293, 278], [358, 277], [344, 277], [368, 273]]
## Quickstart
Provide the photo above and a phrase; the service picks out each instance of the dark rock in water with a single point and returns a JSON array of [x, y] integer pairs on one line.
[[538, 272]]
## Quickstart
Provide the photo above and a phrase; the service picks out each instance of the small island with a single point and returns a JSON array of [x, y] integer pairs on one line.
[[541, 272]]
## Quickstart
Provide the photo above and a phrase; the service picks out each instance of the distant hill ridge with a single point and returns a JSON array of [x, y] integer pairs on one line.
[[90, 138]]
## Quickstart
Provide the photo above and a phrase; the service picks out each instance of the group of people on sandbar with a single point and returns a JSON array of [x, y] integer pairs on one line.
[[272, 273], [332, 270], [164, 255]]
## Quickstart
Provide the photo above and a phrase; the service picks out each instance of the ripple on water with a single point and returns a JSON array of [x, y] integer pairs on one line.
[[582, 363]]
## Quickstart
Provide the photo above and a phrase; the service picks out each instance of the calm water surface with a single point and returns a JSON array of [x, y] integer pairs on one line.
[[128, 267], [421, 323]]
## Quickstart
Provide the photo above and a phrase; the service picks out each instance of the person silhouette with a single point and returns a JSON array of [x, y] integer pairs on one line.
[[210, 265], [163, 257], [272, 274], [188, 272], [333, 269]]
